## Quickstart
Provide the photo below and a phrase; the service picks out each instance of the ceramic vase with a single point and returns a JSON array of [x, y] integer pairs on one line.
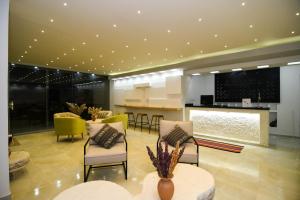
[[165, 188]]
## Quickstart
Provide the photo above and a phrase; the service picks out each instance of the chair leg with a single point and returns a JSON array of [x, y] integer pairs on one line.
[[72, 139], [86, 176], [81, 135], [57, 138], [150, 126], [135, 121], [125, 167]]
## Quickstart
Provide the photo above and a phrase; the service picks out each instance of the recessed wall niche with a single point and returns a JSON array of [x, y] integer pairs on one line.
[[36, 93]]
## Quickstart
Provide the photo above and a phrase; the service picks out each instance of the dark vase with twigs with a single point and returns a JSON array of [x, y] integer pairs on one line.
[[165, 164]]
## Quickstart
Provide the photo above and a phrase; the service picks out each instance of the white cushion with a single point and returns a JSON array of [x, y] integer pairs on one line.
[[94, 128], [166, 126], [190, 152], [96, 155]]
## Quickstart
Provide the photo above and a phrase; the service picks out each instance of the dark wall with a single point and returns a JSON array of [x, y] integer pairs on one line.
[[38, 93]]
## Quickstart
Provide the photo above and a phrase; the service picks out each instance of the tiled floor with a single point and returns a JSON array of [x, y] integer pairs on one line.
[[257, 173]]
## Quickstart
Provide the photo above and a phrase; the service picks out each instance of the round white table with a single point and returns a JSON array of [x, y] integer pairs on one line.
[[95, 190], [190, 182]]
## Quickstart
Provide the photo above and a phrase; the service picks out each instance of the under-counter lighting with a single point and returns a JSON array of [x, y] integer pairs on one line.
[[262, 66], [294, 63], [196, 74], [214, 72], [237, 69]]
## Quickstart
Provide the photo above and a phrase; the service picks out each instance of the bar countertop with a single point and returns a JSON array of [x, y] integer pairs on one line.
[[228, 107]]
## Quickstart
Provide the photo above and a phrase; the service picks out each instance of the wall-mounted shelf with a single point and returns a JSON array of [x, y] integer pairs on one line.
[[142, 85], [132, 99]]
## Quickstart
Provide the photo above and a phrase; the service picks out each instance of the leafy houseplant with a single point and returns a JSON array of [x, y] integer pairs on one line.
[[94, 112], [74, 108], [165, 164]]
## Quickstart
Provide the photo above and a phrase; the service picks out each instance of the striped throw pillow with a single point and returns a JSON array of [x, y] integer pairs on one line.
[[177, 135], [106, 137]]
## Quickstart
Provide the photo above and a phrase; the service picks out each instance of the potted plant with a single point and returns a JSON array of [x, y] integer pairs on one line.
[[94, 112], [165, 164]]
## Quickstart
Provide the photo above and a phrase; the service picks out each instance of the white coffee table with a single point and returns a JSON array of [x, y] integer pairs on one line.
[[190, 182], [95, 190]]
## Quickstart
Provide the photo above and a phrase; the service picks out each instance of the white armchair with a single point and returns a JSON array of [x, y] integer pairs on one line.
[[96, 156], [191, 152]]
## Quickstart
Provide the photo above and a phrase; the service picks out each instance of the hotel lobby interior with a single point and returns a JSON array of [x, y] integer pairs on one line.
[[150, 100]]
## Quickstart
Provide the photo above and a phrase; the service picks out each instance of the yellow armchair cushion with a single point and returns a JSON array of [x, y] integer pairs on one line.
[[65, 124]]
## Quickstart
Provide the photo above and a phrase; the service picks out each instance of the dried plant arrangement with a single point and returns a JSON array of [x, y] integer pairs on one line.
[[165, 162], [94, 112], [74, 108]]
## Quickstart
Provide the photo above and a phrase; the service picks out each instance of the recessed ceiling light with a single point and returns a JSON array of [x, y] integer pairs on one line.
[[112, 51], [201, 51], [35, 39], [293, 32], [262, 66], [47, 64], [297, 14], [35, 67], [91, 59], [29, 46], [126, 46], [83, 43], [12, 64], [196, 74], [214, 72], [122, 61], [70, 67], [22, 56], [255, 39], [169, 31], [250, 26], [100, 56], [112, 64], [243, 3], [97, 35], [139, 12], [75, 65], [149, 54], [65, 54], [51, 61], [188, 43], [51, 20], [115, 25], [181, 56], [42, 31], [294, 63], [145, 39], [134, 58], [102, 66], [25, 52], [236, 69], [89, 70], [19, 60], [225, 46], [83, 62], [166, 49], [95, 68], [65, 4], [73, 49], [199, 19], [215, 35]]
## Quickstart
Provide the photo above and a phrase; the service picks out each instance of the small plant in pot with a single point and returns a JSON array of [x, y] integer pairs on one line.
[[94, 112], [165, 164]]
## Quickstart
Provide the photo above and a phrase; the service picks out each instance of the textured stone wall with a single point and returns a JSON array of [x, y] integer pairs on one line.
[[231, 125]]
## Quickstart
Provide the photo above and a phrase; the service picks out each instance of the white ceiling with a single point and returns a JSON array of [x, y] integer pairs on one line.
[[141, 38]]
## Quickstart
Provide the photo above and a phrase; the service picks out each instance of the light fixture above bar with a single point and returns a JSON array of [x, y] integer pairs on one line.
[[236, 69], [196, 74], [214, 72], [262, 66], [294, 63]]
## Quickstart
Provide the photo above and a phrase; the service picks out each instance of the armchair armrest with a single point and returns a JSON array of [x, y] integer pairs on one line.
[[125, 142]]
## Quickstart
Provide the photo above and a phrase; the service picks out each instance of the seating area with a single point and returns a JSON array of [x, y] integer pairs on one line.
[[149, 100]]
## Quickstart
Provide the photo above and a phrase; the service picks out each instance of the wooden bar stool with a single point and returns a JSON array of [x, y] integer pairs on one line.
[[155, 121], [131, 119], [141, 120]]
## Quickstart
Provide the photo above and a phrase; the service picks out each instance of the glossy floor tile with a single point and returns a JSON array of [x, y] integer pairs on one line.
[[257, 173]]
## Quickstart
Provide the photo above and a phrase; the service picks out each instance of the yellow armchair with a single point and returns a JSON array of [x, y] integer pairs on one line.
[[118, 118], [68, 124]]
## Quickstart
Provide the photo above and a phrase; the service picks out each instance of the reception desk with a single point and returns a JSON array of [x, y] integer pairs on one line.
[[248, 125]]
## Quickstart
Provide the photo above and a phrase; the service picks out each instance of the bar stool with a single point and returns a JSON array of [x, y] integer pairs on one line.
[[156, 119], [131, 119], [144, 120]]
